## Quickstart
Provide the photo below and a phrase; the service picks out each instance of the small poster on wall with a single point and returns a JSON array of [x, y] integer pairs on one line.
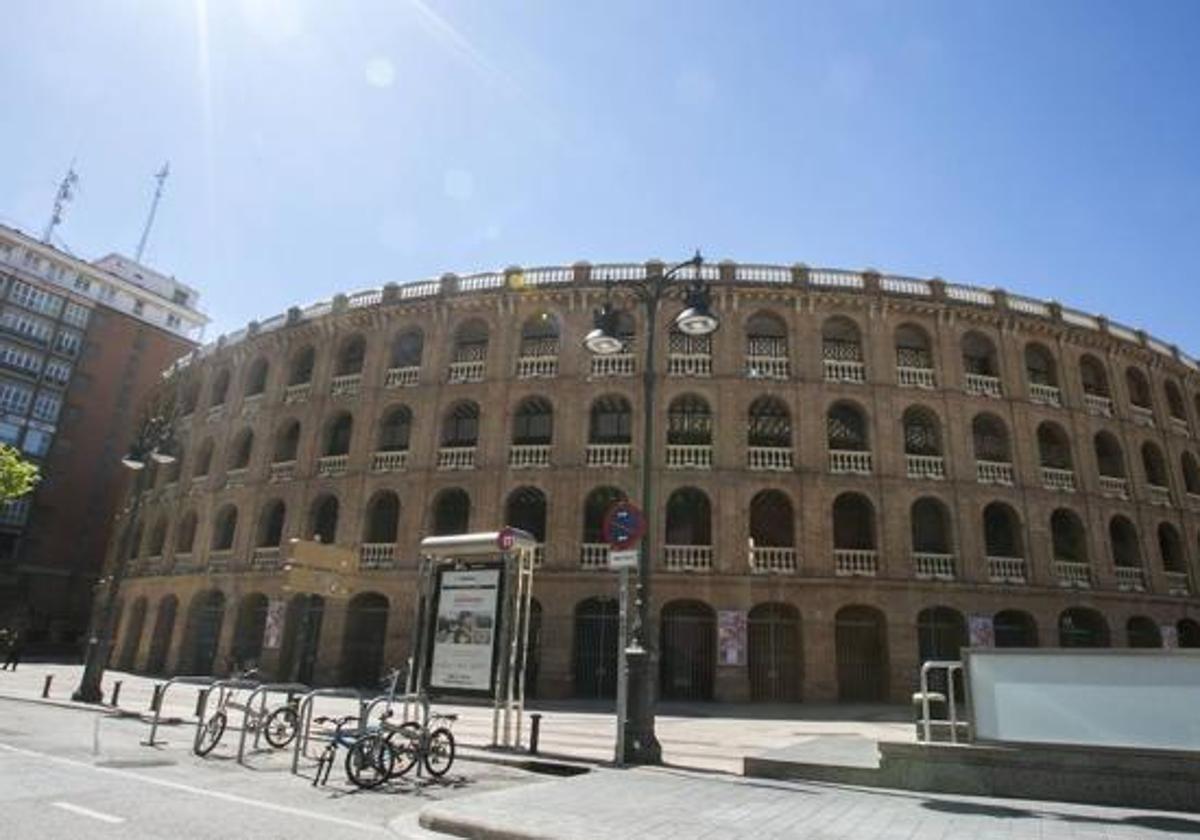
[[983, 632], [273, 629], [466, 630], [731, 637]]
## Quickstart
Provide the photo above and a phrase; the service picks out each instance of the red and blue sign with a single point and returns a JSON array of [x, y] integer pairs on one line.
[[624, 525]]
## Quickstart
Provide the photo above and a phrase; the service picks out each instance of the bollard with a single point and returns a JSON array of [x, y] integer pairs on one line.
[[535, 731], [46, 685], [116, 693], [156, 698], [201, 696]]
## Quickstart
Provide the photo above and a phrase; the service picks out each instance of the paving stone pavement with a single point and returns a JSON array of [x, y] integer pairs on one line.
[[666, 804]]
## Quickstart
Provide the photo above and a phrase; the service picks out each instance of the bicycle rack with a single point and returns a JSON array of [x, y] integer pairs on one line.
[[162, 699], [401, 700], [220, 686], [950, 667], [304, 717], [261, 692]]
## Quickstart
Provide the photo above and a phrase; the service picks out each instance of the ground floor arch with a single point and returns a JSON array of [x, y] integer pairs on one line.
[[774, 660], [366, 630], [160, 639], [1014, 628], [301, 638], [205, 617], [687, 651], [860, 643], [248, 632], [1080, 627], [595, 648], [127, 659]]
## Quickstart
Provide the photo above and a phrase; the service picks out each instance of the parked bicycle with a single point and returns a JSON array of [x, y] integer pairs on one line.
[[279, 725], [394, 749], [363, 774]]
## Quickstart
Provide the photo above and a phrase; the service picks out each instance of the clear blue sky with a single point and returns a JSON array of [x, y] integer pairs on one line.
[[1052, 148]]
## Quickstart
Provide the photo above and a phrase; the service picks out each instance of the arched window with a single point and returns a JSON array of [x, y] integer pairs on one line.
[[1170, 549], [1093, 377], [338, 433], [1123, 538], [460, 428], [931, 530], [256, 379], [861, 650], [1110, 461], [688, 354], [365, 635], [382, 524], [595, 508], [1154, 465], [979, 357], [470, 351], [1014, 628], [767, 347], [941, 635], [185, 533], [1079, 627], [914, 357], [135, 545], [689, 518], [853, 523], [1139, 389], [323, 519], [1002, 531], [203, 463], [1189, 633], [224, 528], [270, 524], [1040, 368], [300, 369], [842, 351], [772, 521], [846, 428], [242, 450], [1175, 405], [1068, 537], [990, 439], [287, 442], [526, 510], [610, 421], [689, 422], [249, 626], [351, 356], [769, 426], [922, 432], [220, 388], [539, 337], [395, 430], [1191, 474], [1054, 448], [407, 349], [1142, 632], [533, 422], [451, 512]]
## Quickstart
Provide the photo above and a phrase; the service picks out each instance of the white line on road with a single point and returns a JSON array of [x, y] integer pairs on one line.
[[198, 791], [88, 812]]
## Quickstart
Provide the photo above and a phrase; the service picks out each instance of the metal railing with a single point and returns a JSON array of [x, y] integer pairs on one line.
[[951, 669]]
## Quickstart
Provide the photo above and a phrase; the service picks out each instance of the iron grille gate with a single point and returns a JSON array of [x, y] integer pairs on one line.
[[774, 656], [688, 654], [596, 645], [861, 662]]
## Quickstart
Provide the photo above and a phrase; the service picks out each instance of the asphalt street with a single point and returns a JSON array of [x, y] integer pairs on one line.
[[66, 773]]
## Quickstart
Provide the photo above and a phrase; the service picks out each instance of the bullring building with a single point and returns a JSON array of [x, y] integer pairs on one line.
[[865, 471]]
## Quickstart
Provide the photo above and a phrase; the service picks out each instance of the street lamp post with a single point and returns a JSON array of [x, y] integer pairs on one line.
[[154, 441], [639, 743]]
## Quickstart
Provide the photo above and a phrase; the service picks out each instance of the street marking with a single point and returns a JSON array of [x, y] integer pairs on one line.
[[88, 812], [198, 791]]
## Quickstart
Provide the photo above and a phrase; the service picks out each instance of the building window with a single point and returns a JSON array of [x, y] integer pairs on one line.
[[138, 307], [75, 314], [180, 297], [27, 296], [67, 342], [82, 283], [14, 398], [37, 442], [46, 407], [10, 433]]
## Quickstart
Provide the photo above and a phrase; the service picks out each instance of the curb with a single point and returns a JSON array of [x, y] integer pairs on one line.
[[430, 820]]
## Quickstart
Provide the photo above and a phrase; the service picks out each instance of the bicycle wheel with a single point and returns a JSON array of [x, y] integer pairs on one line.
[[369, 761], [210, 734], [280, 727], [409, 736], [439, 752]]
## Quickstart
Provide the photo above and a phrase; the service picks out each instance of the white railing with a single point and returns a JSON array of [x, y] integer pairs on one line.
[[762, 274], [768, 367], [1177, 583], [332, 465], [774, 458], [389, 460], [688, 558], [905, 286], [913, 377], [529, 456], [1057, 479], [537, 367], [970, 294], [297, 393], [456, 458], [266, 558], [1112, 485], [984, 386], [618, 364], [377, 556], [367, 297], [593, 556], [993, 472], [402, 377], [214, 413], [925, 466], [282, 471], [1045, 394], [1006, 569], [345, 385], [1073, 574], [767, 559], [929, 566], [849, 462], [1158, 495], [236, 477], [851, 562], [689, 364], [461, 372], [1098, 404], [1193, 500], [838, 370], [220, 559], [1131, 578], [688, 457], [835, 278], [1142, 415], [609, 454], [1179, 426], [251, 403]]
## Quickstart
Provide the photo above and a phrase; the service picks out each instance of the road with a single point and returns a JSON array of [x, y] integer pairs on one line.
[[66, 772]]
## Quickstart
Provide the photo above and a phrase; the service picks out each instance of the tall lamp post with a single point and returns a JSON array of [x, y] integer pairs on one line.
[[640, 745], [154, 441]]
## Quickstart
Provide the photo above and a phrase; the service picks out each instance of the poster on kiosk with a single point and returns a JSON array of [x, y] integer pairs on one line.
[[466, 631]]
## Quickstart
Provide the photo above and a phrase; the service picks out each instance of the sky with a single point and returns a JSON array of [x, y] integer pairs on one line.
[[1045, 147]]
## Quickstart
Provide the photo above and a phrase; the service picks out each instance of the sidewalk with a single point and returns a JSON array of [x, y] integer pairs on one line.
[[662, 804]]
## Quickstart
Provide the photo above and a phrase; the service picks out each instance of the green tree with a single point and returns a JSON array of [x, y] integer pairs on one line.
[[17, 476]]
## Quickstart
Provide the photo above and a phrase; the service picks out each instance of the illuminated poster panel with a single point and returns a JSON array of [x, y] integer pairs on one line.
[[466, 630]]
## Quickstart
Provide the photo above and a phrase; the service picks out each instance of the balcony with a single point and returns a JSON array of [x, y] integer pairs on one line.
[[994, 472], [266, 558], [529, 456], [329, 466], [1070, 573], [282, 471], [688, 457], [236, 477], [1179, 426], [849, 462], [1178, 583], [766, 559], [769, 458], [1158, 495], [609, 455], [346, 385], [1142, 415], [688, 558], [593, 556], [855, 562], [984, 386], [214, 413], [1098, 404], [297, 393], [931, 566], [1193, 500], [376, 556], [1045, 394], [689, 364], [220, 559], [186, 564], [463, 372], [537, 367], [389, 461], [925, 467], [1058, 479], [911, 377], [402, 377], [456, 458], [1130, 578], [768, 367], [1114, 486], [839, 370], [618, 364], [1006, 569], [251, 403]]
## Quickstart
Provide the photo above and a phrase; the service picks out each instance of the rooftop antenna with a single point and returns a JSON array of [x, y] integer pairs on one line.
[[161, 177], [64, 195]]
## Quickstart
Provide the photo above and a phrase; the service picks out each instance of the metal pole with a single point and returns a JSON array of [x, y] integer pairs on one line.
[[622, 675]]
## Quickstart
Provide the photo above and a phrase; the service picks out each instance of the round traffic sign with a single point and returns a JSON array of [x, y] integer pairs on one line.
[[506, 539], [624, 525]]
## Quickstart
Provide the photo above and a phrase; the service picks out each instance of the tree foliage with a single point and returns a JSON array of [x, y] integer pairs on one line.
[[17, 476]]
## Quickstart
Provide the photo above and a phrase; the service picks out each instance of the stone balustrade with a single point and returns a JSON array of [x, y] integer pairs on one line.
[[926, 467], [456, 458], [994, 472], [266, 558], [855, 562], [1045, 394], [1115, 486], [346, 385], [1142, 415], [1071, 573], [1058, 479], [688, 558], [1131, 578], [329, 466], [933, 566], [1158, 494], [984, 386], [766, 559], [840, 370], [609, 455], [529, 456], [593, 556], [390, 460], [768, 367], [1098, 404], [464, 372], [849, 462], [769, 458], [1006, 569], [375, 556], [402, 377], [689, 457], [912, 377], [297, 393], [617, 364], [537, 367], [1178, 583], [689, 364]]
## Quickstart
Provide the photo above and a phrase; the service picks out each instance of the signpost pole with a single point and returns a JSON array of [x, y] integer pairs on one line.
[[622, 669]]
